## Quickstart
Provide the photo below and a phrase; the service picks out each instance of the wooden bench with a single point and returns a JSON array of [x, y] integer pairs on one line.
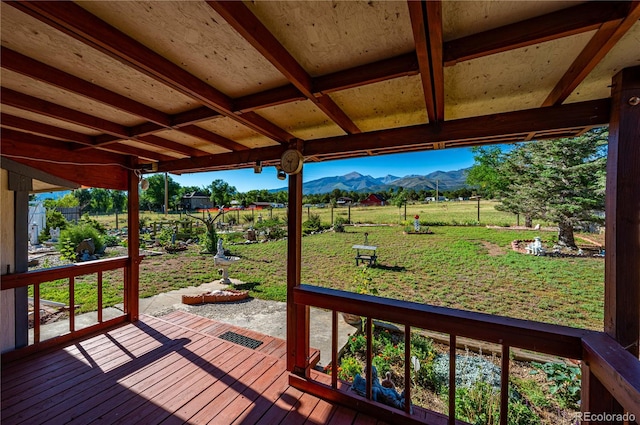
[[369, 255]]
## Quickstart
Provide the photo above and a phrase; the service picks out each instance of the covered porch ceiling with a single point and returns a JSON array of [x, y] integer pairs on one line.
[[186, 86]]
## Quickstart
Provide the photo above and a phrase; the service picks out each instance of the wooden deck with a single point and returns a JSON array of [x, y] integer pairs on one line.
[[169, 370]]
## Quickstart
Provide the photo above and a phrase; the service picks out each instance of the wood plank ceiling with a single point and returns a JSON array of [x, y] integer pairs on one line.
[[194, 86]]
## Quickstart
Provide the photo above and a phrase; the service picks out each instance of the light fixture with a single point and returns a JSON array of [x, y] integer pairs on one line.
[[144, 183], [281, 174], [257, 168]]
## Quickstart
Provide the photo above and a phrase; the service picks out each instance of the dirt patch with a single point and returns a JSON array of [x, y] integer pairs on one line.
[[493, 249]]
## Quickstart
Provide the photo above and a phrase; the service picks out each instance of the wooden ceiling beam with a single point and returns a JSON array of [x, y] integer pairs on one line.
[[78, 23], [426, 23], [386, 69], [119, 147], [62, 134], [24, 65], [267, 98], [161, 142], [216, 139], [43, 107], [95, 169], [597, 48], [238, 159], [421, 137], [25, 125], [584, 114], [238, 15], [562, 23], [158, 120]]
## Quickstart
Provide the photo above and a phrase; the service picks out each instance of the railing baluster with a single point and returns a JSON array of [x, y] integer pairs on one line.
[[100, 297], [452, 379], [125, 298], [36, 313], [334, 349], [407, 368], [369, 373], [504, 385], [72, 303]]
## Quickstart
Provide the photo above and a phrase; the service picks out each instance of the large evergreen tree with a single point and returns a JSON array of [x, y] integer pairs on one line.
[[558, 180]]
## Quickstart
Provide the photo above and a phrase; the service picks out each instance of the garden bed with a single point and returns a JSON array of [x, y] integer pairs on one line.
[[225, 295], [539, 393]]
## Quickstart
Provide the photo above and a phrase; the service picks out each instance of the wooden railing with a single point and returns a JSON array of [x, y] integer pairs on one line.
[[38, 277], [621, 377]]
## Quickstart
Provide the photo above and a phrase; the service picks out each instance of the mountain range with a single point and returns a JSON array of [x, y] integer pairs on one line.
[[354, 181]]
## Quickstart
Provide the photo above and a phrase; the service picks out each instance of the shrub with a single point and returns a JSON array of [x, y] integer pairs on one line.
[[54, 218], [210, 240], [313, 224], [272, 228], [67, 250], [93, 223], [480, 404], [74, 234], [357, 344], [111, 240], [349, 367], [565, 382], [338, 225]]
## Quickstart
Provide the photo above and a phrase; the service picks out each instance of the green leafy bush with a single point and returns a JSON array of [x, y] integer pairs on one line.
[[74, 234], [348, 369], [338, 224], [479, 404], [67, 250], [312, 224], [272, 228], [111, 240], [565, 382], [54, 218], [93, 223]]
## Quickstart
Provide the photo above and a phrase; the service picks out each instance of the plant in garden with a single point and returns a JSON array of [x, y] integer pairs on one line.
[[93, 223], [111, 240], [349, 367], [312, 224], [338, 224], [479, 404], [357, 344], [565, 382], [67, 250], [54, 219], [272, 228], [74, 234], [363, 281]]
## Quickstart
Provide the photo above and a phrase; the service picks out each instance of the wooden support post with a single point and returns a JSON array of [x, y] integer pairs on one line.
[[133, 241], [622, 274], [21, 186], [595, 397], [297, 316]]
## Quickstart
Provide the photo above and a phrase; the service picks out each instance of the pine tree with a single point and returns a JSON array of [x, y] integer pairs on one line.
[[560, 180]]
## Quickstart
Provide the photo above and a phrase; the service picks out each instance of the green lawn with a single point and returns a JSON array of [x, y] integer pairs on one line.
[[467, 267], [470, 268]]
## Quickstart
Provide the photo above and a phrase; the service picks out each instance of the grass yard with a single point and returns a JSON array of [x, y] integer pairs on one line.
[[471, 268], [466, 267]]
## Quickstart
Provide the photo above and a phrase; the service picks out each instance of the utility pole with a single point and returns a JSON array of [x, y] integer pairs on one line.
[[437, 196], [166, 195]]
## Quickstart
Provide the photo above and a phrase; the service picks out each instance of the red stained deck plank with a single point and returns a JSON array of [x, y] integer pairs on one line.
[[155, 372]]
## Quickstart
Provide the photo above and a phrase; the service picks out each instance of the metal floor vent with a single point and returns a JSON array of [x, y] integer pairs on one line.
[[241, 340]]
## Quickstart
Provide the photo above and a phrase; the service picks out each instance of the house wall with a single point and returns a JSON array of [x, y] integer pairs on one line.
[[7, 258]]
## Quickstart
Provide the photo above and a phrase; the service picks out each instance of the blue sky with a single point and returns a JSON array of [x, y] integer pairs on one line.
[[376, 166]]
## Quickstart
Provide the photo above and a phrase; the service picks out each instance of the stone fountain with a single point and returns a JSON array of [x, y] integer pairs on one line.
[[223, 262]]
